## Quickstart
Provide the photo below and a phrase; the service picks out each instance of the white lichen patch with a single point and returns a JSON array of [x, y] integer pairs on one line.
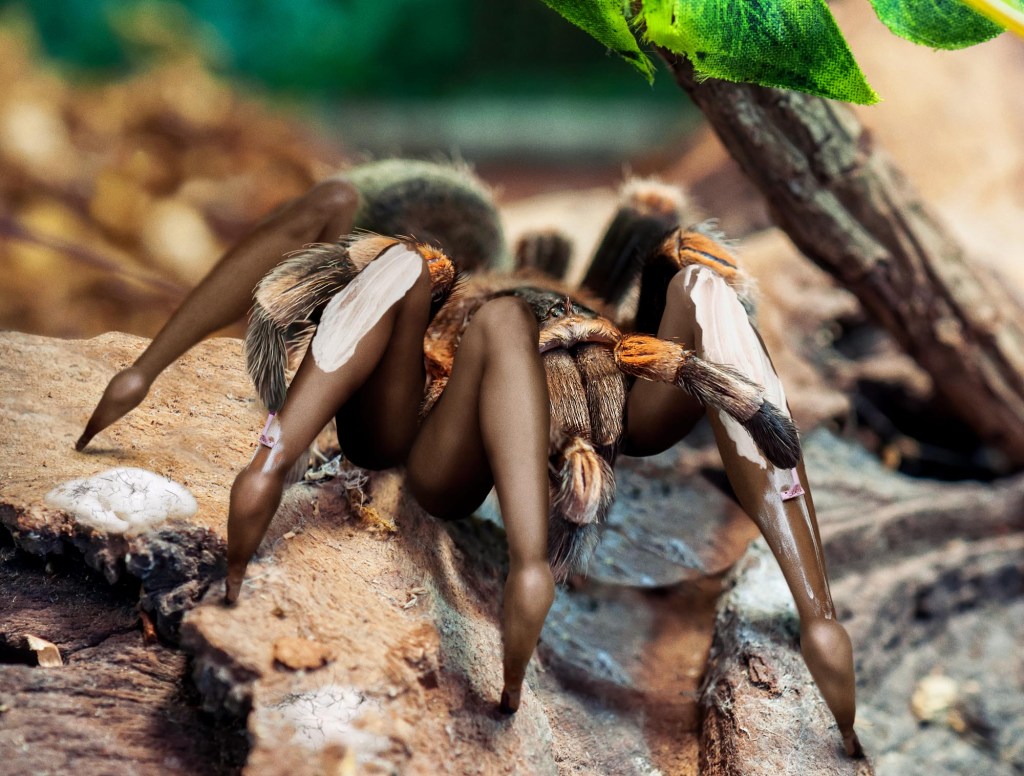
[[331, 714], [123, 499]]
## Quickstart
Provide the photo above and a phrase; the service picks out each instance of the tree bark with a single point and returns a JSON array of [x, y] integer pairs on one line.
[[847, 207]]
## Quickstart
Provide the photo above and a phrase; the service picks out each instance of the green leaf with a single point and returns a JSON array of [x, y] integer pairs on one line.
[[944, 24], [606, 21], [792, 44]]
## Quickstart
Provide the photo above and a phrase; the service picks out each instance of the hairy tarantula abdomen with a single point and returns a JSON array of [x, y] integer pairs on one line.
[[430, 202], [587, 394], [583, 488]]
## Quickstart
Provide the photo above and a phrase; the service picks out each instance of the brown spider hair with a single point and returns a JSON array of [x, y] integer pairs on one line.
[[289, 299]]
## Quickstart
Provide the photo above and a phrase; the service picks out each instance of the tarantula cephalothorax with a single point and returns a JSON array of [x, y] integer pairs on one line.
[[587, 357]]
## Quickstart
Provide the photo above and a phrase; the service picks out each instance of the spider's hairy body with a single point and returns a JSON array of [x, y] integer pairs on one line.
[[588, 362], [595, 365]]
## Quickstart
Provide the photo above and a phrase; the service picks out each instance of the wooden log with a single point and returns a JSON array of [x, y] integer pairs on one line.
[[117, 704], [908, 559]]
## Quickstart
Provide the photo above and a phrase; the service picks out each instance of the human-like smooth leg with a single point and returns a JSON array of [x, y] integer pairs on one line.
[[789, 526], [492, 425], [313, 399], [225, 295]]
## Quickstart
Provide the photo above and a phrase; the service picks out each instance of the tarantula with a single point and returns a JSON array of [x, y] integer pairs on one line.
[[512, 380], [586, 356]]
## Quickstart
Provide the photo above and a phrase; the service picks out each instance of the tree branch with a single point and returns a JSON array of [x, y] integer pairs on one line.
[[849, 209]]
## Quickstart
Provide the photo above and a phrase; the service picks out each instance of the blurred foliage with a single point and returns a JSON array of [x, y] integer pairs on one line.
[[117, 197], [121, 185], [333, 48], [947, 25]]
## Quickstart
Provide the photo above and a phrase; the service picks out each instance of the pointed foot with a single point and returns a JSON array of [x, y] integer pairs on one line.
[[232, 588], [509, 702], [124, 392], [852, 745]]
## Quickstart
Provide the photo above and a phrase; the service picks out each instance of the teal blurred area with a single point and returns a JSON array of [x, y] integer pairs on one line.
[[457, 69], [353, 48]]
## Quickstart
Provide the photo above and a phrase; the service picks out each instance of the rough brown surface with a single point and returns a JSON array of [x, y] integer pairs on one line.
[[410, 615], [71, 610], [762, 713], [932, 585], [117, 702], [109, 705], [915, 565], [195, 428]]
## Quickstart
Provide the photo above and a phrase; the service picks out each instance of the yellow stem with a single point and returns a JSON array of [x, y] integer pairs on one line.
[[1001, 13]]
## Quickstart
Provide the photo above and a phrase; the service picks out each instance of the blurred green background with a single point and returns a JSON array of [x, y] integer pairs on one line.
[[335, 48], [399, 76]]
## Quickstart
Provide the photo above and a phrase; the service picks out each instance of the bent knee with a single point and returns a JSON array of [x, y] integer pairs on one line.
[[305, 216], [508, 318], [825, 638], [330, 197], [534, 577], [257, 485]]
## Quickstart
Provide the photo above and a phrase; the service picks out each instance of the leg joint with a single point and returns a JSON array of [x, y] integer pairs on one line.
[[332, 196], [507, 318]]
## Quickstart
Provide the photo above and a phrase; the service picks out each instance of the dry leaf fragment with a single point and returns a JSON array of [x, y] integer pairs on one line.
[[148, 630], [296, 653], [47, 654]]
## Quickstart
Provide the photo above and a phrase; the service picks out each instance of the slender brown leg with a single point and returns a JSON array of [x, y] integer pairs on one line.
[[790, 526], [225, 294], [313, 399], [492, 425]]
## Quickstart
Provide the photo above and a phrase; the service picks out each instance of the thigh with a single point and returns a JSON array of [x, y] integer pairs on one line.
[[447, 468], [378, 423]]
